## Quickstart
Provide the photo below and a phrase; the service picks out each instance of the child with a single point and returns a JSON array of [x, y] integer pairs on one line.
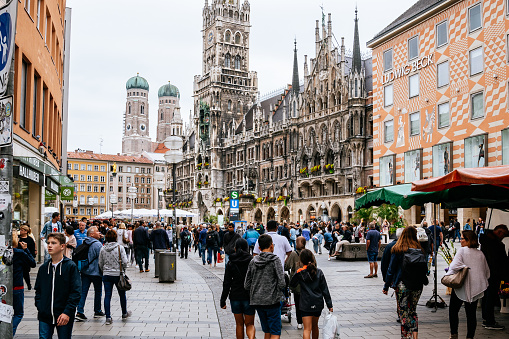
[[57, 291], [265, 282], [313, 290]]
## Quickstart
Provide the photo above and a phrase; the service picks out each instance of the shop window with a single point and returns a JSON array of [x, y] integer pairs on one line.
[[415, 123], [442, 155], [413, 86], [412, 166], [443, 74], [474, 17], [442, 34], [388, 95], [20, 192], [386, 170], [475, 151], [476, 61], [477, 105], [443, 115], [388, 60], [413, 48], [389, 131]]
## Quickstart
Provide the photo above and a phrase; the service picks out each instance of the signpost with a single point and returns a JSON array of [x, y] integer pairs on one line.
[[113, 201], [234, 207]]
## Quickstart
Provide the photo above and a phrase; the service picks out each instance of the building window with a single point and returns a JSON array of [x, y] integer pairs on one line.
[[443, 74], [413, 48], [442, 159], [89, 178], [413, 85], [142, 180], [96, 168], [128, 169], [83, 167], [82, 211], [103, 189], [388, 95], [69, 166], [120, 178], [443, 115], [34, 107], [75, 177], [388, 60], [477, 105], [148, 180], [89, 188], [237, 62], [505, 146], [103, 178], [476, 61], [128, 179], [475, 151], [76, 167], [389, 131], [96, 188], [22, 109], [136, 180], [148, 190], [386, 170], [82, 178], [82, 188], [103, 168], [415, 123], [148, 170], [412, 166], [474, 17], [89, 167], [120, 169], [96, 178], [227, 61], [442, 34], [120, 189]]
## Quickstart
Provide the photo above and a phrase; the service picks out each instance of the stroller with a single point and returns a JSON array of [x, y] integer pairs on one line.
[[287, 306]]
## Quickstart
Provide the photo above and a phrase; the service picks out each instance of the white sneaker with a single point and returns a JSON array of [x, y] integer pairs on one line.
[[299, 326], [328, 258]]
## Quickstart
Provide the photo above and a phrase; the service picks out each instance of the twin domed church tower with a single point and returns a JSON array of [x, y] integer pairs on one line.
[[136, 137]]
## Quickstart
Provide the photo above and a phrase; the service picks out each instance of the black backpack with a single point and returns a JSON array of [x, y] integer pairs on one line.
[[80, 256], [210, 239], [414, 269], [186, 237]]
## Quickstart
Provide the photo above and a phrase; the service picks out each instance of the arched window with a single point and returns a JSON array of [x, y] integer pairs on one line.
[[237, 62], [229, 105], [227, 36], [227, 61], [237, 38], [239, 107], [129, 109], [142, 109], [162, 115]]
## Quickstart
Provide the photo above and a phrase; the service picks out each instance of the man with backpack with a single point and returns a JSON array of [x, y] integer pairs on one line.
[[159, 238], [185, 239], [87, 260]]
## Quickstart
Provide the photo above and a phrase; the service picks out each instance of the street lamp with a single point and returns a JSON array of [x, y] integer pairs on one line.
[[131, 192], [172, 157], [159, 195]]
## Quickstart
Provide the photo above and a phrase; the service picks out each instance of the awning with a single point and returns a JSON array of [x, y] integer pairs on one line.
[[399, 195], [494, 176]]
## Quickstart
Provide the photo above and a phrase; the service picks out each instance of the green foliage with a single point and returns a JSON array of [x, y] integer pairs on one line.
[[210, 218], [363, 213], [389, 212]]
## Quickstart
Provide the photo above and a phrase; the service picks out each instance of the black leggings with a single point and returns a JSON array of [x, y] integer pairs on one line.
[[26, 276], [470, 309]]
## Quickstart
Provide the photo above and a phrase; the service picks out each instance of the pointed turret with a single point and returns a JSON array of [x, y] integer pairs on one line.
[[295, 79], [356, 61]]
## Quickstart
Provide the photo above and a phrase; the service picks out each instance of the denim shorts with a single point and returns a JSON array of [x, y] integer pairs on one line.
[[270, 319], [372, 256], [242, 307]]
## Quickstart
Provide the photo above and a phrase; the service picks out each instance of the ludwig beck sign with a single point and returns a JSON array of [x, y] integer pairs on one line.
[[7, 34]]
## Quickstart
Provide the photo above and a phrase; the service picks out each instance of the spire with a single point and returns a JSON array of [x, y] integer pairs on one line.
[[356, 62], [295, 79]]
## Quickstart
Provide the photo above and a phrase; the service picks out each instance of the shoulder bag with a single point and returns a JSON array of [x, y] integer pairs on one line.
[[457, 279], [124, 284]]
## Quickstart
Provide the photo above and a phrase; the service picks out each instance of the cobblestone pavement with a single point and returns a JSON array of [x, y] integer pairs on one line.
[[189, 308]]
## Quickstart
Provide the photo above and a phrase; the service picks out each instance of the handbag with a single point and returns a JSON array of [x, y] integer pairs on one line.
[[124, 283], [455, 280], [125, 240]]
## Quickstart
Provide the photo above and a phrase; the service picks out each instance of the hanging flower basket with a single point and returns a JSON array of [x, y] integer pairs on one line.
[[315, 168], [258, 200], [330, 168], [217, 200], [304, 171], [362, 190], [226, 199], [206, 165], [198, 167], [206, 183]]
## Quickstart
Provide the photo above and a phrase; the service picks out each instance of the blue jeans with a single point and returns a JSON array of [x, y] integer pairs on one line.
[[292, 243], [18, 301], [109, 281], [86, 280], [203, 248], [211, 250], [317, 246], [226, 258], [46, 330]]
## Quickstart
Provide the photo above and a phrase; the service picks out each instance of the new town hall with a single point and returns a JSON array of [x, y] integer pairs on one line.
[[298, 154]]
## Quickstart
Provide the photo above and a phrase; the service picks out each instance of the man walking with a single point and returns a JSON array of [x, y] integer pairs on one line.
[[229, 240], [141, 243], [496, 256], [373, 242], [57, 291], [185, 238], [202, 242], [282, 247], [80, 234], [90, 274], [159, 238], [436, 230]]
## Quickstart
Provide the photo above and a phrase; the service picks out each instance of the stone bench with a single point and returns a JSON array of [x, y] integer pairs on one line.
[[357, 251]]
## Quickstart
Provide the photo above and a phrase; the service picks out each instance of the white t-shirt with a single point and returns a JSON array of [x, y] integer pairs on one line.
[[281, 247], [54, 227]]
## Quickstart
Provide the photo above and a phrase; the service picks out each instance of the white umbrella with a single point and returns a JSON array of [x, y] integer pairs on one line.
[[180, 213], [50, 210]]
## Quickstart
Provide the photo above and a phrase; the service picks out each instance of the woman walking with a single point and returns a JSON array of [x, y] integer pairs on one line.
[[476, 282], [109, 264], [24, 236], [233, 287], [407, 275], [70, 242], [123, 238], [313, 291]]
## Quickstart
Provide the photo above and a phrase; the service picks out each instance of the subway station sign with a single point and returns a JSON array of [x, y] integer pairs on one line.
[[405, 70]]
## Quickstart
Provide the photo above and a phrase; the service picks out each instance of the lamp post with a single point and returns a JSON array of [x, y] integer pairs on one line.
[[172, 157], [159, 195], [131, 192]]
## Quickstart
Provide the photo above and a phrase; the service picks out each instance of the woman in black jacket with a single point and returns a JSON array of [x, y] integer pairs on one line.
[[313, 291], [233, 286]]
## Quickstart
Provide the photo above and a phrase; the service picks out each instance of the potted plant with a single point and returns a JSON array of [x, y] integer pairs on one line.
[[504, 296], [199, 184], [330, 168], [198, 167], [206, 165]]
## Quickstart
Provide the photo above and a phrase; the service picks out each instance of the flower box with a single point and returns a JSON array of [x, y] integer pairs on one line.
[[304, 171], [330, 168]]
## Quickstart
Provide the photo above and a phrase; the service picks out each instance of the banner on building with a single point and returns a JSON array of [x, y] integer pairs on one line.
[[7, 34], [66, 193]]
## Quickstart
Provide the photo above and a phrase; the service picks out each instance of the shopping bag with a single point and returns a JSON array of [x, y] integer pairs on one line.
[[219, 258], [331, 327]]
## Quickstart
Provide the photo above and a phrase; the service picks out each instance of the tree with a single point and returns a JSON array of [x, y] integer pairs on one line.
[[363, 213], [388, 212]]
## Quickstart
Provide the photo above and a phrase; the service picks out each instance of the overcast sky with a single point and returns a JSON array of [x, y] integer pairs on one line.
[[113, 40]]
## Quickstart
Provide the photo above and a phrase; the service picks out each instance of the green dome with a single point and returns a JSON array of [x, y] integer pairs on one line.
[[169, 90], [137, 82]]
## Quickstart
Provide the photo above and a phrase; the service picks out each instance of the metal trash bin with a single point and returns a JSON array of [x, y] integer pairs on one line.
[[167, 266], [156, 262]]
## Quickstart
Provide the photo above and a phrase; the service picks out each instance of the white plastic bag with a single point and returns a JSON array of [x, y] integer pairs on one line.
[[331, 327]]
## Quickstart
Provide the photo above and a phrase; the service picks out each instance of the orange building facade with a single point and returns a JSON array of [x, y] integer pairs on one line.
[[440, 83]]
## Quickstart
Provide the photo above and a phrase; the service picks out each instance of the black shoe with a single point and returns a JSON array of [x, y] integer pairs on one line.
[[81, 317], [398, 320], [495, 326], [99, 314]]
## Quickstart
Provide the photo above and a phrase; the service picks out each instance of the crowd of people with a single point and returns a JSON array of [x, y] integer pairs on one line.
[[263, 264]]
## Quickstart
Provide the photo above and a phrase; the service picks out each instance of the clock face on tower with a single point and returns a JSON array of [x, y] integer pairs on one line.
[[128, 127], [210, 38], [143, 128]]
